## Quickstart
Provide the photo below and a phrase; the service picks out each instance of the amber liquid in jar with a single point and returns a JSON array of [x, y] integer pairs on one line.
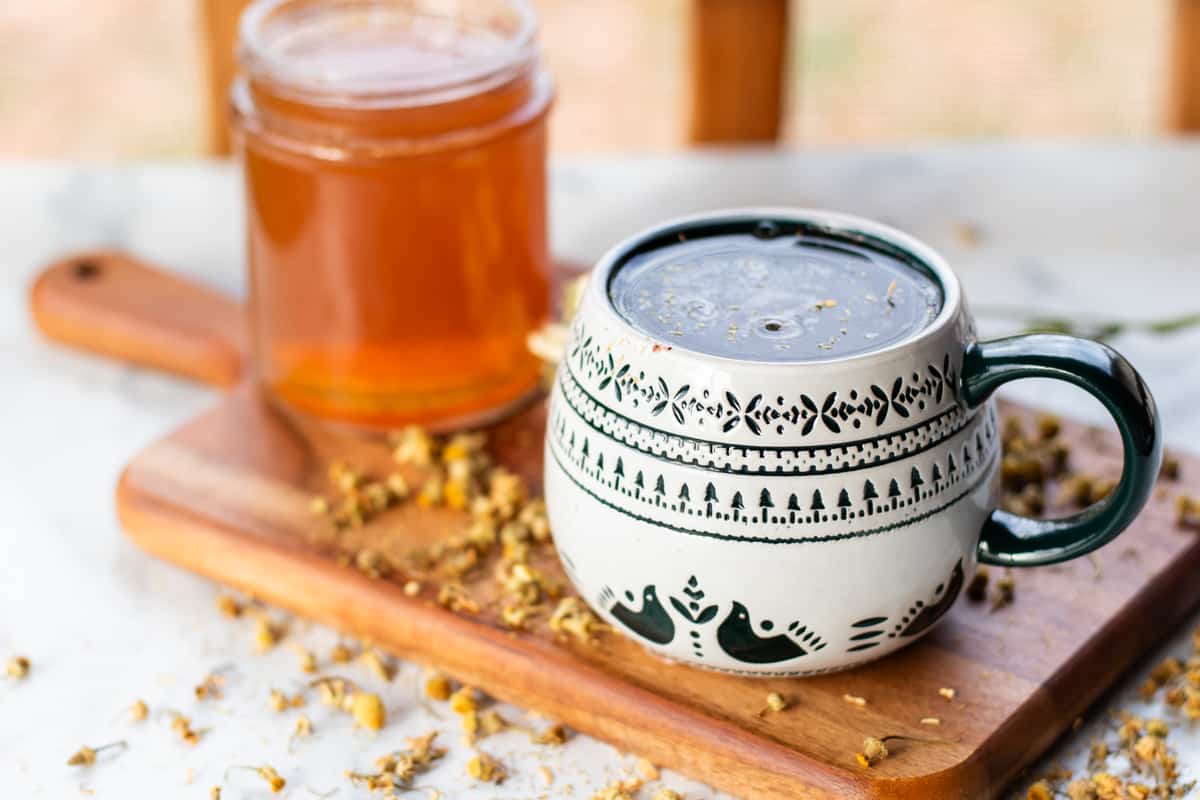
[[395, 184]]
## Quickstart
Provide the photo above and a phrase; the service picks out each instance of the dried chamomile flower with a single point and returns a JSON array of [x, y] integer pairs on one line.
[[367, 710], [433, 491], [1081, 789], [621, 790], [331, 690], [1039, 791], [412, 588], [86, 756], [1187, 511], [345, 477], [948, 693], [574, 618], [1166, 669], [382, 668], [1102, 488], [303, 727], [17, 668], [454, 597], [210, 687], [490, 722], [308, 660], [422, 750], [483, 767], [1170, 467], [398, 486], [977, 588], [267, 773], [1005, 593], [139, 711], [437, 687], [372, 563], [228, 606], [463, 701], [668, 794], [855, 700], [507, 492], [182, 727], [874, 751], [279, 701], [1077, 490], [413, 445], [1048, 426], [341, 653], [1108, 786], [266, 634], [1149, 749], [554, 734], [775, 702], [375, 497], [383, 781], [517, 617]]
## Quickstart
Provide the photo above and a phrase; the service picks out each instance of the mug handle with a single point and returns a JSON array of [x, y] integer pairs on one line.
[[1011, 540]]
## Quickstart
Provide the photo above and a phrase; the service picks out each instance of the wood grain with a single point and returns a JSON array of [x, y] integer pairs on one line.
[[1183, 103], [112, 304], [226, 496], [737, 64]]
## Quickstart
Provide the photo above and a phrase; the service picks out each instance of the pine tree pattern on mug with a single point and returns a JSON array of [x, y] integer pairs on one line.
[[675, 497]]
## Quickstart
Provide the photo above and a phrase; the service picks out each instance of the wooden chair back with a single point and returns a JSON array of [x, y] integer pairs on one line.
[[737, 68]]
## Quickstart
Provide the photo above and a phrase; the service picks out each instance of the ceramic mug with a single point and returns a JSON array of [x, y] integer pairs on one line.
[[783, 519]]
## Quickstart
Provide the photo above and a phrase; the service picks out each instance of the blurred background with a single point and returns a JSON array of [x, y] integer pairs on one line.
[[124, 78]]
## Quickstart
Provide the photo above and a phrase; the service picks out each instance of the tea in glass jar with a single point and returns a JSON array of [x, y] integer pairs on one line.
[[394, 156]]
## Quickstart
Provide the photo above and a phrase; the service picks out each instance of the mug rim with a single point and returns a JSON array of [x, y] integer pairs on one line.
[[829, 222]]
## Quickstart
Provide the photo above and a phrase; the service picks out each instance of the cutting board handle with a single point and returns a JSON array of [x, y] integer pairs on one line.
[[113, 304]]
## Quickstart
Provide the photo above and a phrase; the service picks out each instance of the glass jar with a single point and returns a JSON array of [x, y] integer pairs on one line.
[[395, 171]]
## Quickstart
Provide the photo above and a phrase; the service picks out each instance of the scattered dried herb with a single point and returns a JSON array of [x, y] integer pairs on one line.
[[17, 668], [873, 751], [977, 588], [266, 773], [86, 756], [483, 767]]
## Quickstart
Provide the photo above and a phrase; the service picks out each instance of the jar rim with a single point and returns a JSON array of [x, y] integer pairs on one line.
[[262, 58]]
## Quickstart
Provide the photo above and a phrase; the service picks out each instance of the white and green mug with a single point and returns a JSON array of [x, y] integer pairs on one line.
[[741, 483]]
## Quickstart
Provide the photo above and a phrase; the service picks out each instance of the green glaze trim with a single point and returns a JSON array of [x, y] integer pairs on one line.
[[1011, 540], [985, 474], [856, 444]]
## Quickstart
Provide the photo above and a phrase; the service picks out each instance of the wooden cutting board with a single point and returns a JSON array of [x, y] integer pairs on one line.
[[227, 496]]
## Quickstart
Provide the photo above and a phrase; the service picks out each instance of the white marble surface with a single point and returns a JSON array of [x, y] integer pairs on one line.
[[1110, 229]]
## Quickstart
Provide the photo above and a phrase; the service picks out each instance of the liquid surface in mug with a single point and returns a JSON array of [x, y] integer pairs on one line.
[[783, 298]]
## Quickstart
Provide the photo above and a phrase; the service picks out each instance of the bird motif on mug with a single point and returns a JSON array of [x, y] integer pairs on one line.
[[651, 621], [737, 638]]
